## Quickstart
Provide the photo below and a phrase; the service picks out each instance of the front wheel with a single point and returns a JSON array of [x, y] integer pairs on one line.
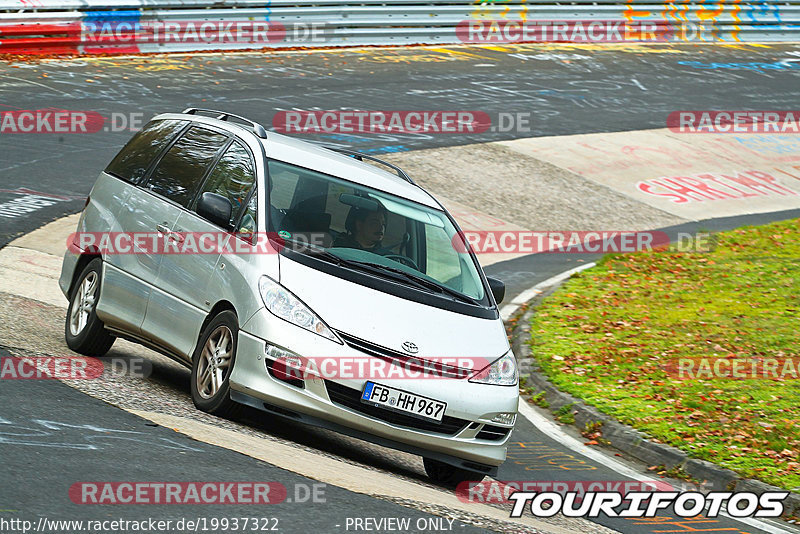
[[448, 475], [84, 332], [212, 364]]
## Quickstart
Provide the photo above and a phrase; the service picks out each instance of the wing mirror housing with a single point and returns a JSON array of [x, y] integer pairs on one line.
[[498, 289], [215, 208]]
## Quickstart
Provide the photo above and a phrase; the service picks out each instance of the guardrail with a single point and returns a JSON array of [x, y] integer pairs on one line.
[[136, 26]]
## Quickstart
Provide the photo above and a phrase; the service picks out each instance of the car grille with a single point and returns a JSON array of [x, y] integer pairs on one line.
[[351, 398], [493, 433], [410, 363]]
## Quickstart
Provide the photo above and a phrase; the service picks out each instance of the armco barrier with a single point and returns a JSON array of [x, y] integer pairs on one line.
[[131, 26]]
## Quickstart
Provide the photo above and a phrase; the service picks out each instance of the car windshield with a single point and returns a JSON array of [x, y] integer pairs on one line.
[[360, 227]]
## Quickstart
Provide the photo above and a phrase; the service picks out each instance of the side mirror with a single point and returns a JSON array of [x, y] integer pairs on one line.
[[498, 289], [215, 208]]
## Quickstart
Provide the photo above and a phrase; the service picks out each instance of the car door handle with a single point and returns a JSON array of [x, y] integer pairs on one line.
[[162, 228], [177, 236]]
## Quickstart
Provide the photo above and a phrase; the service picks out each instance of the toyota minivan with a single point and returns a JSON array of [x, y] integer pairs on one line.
[[312, 283]]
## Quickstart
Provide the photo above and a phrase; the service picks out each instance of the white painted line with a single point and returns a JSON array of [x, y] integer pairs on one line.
[[552, 430], [509, 309]]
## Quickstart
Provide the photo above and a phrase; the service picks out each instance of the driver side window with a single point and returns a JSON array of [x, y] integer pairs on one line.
[[232, 177], [248, 225]]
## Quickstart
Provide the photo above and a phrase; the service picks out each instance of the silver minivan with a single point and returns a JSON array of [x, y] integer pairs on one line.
[[314, 284]]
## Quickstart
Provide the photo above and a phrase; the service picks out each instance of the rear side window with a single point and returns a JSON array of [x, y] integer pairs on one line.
[[232, 177], [180, 171], [133, 161]]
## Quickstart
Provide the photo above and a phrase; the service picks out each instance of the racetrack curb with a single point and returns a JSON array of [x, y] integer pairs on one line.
[[624, 438]]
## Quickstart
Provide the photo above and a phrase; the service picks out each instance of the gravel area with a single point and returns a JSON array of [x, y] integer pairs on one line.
[[526, 191]]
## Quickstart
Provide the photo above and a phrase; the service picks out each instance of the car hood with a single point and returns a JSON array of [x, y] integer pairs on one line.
[[390, 321]]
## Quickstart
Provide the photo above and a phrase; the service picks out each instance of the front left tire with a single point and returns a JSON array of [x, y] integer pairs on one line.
[[448, 475], [212, 363]]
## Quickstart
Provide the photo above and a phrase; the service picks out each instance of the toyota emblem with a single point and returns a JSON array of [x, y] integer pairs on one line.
[[410, 348]]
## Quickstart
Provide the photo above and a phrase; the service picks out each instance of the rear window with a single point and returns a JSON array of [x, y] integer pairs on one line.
[[132, 162]]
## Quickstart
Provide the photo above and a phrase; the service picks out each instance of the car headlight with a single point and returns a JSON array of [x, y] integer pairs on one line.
[[283, 304], [502, 372]]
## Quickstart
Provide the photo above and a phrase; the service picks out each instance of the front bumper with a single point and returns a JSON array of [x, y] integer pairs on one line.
[[465, 439]]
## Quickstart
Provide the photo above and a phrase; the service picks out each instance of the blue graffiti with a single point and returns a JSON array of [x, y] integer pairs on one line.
[[756, 10], [113, 17], [773, 144], [756, 66], [387, 149], [347, 138]]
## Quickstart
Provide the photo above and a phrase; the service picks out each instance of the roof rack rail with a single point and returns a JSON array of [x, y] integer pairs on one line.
[[259, 130], [361, 157]]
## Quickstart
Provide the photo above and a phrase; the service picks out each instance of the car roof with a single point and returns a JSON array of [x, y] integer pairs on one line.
[[318, 158]]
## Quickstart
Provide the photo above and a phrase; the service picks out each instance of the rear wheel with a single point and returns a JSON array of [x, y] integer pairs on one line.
[[448, 475], [212, 364], [84, 332]]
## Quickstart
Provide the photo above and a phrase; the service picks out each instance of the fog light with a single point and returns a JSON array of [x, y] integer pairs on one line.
[[285, 365], [277, 353], [506, 418]]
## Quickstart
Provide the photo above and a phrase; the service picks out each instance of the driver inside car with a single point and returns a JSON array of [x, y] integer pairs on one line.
[[365, 230]]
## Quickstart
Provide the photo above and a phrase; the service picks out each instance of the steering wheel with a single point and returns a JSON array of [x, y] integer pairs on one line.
[[405, 260]]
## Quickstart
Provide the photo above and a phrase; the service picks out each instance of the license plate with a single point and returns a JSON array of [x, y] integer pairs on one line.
[[403, 401]]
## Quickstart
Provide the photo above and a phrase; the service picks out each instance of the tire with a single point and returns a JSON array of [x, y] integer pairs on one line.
[[448, 475], [212, 363], [84, 332]]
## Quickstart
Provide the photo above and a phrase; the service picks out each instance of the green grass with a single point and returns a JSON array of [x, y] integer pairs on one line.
[[565, 415], [540, 400], [609, 334]]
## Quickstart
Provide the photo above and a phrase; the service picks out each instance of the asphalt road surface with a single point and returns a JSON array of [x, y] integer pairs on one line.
[[52, 437], [562, 90], [565, 90]]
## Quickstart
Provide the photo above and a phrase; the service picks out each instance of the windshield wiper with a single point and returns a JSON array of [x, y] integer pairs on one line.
[[328, 256], [393, 273], [420, 281]]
